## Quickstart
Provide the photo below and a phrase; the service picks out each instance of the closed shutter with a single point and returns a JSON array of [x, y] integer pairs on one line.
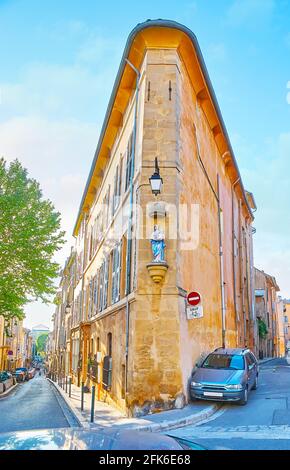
[[95, 295], [101, 291], [116, 274], [106, 282], [91, 304], [129, 161], [115, 197], [80, 306]]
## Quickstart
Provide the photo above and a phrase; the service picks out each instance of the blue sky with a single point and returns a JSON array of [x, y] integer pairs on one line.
[[58, 62]]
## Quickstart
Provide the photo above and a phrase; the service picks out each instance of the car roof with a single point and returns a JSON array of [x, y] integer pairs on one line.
[[237, 351], [82, 439]]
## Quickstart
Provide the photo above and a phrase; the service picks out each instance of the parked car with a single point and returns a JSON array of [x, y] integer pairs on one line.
[[106, 439], [225, 375], [21, 374], [5, 375], [31, 373]]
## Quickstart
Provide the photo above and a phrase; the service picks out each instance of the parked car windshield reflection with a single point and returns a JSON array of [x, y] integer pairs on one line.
[[224, 361]]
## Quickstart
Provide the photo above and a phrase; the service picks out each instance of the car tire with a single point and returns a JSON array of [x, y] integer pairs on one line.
[[244, 400], [255, 386]]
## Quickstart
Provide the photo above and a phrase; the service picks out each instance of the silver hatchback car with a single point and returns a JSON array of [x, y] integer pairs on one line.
[[225, 375]]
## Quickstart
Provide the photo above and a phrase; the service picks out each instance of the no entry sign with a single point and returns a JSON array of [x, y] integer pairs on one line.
[[193, 298]]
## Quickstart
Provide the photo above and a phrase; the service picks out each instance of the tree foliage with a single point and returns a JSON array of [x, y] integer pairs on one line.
[[263, 331], [30, 235], [41, 342]]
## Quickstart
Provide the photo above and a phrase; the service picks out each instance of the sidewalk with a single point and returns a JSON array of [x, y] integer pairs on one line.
[[108, 416], [266, 359]]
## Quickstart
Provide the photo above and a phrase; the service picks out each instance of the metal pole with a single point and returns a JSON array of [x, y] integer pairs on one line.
[[66, 385], [82, 397], [93, 403], [69, 390]]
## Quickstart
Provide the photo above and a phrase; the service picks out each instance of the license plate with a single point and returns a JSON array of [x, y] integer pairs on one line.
[[212, 394]]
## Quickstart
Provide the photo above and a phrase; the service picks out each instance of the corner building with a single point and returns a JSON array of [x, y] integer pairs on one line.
[[130, 334]]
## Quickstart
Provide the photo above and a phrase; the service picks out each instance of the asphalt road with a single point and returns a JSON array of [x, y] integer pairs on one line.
[[264, 423], [34, 405]]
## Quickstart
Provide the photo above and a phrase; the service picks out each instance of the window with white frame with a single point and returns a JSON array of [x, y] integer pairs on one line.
[[129, 162], [116, 269], [103, 283]]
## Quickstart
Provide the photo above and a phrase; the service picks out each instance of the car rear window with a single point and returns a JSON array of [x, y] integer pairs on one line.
[[224, 361]]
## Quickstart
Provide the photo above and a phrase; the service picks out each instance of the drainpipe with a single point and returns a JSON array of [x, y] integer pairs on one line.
[[233, 248], [221, 268], [130, 222]]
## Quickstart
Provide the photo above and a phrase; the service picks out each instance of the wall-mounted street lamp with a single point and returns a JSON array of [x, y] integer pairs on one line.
[[156, 181], [67, 308]]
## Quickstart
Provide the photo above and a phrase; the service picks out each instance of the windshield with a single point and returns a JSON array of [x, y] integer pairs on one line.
[[224, 361]]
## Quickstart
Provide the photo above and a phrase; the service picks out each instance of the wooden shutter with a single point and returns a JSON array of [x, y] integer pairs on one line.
[[116, 273], [106, 282], [95, 294], [115, 191], [101, 291]]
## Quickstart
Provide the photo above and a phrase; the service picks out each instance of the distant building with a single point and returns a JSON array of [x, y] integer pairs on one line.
[[287, 321], [267, 313], [37, 331], [122, 319]]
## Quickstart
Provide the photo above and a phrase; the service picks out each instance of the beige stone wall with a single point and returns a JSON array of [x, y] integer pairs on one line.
[[154, 355], [200, 266], [113, 323]]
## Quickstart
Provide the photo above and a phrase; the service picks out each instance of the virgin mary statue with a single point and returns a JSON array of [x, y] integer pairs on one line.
[[157, 245]]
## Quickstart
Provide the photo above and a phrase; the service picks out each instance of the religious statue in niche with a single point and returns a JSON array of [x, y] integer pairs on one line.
[[158, 245]]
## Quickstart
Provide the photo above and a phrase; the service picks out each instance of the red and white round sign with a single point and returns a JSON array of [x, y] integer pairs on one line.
[[193, 298]]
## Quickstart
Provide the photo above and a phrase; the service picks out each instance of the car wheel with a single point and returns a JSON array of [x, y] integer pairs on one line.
[[244, 400], [255, 386]]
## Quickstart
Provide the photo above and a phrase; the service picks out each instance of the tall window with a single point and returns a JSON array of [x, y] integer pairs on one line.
[[95, 294], [106, 283], [90, 300], [116, 196], [106, 203], [109, 344], [101, 291], [103, 281], [116, 267], [129, 162]]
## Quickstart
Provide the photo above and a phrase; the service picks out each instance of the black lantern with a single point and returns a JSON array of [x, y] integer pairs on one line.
[[156, 181]]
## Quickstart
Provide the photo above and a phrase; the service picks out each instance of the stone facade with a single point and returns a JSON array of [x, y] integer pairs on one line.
[[267, 313], [133, 339]]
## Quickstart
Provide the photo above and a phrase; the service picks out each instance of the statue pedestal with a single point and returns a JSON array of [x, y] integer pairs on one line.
[[157, 271]]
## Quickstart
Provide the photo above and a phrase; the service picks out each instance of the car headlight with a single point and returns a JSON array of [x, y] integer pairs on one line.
[[196, 384], [234, 387]]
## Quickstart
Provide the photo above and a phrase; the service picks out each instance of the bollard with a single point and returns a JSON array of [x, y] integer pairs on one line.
[[69, 393], [66, 385], [93, 403], [82, 397]]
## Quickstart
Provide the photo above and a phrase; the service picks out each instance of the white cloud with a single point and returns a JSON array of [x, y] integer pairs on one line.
[[58, 155], [49, 119], [249, 12]]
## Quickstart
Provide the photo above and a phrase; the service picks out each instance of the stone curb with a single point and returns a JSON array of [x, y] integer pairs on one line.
[[264, 361], [154, 427], [7, 392], [179, 423], [79, 417]]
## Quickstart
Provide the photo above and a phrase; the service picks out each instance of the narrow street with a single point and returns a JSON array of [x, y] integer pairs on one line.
[[34, 405], [264, 423]]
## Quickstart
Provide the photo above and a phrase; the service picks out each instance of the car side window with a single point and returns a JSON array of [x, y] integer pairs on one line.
[[253, 358], [249, 360]]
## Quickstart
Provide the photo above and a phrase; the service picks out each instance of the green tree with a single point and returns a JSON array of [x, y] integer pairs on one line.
[[30, 235], [41, 343], [263, 331]]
